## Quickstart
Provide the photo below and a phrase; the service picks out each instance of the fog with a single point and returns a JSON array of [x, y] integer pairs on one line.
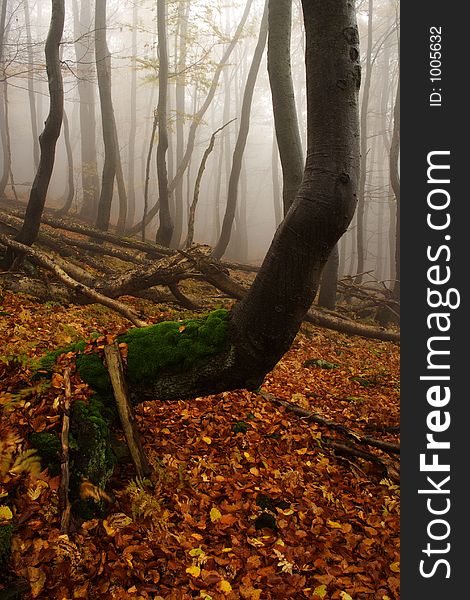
[[210, 26]]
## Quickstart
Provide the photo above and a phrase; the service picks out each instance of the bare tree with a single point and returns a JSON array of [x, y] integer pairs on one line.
[[165, 229], [50, 134], [237, 158]]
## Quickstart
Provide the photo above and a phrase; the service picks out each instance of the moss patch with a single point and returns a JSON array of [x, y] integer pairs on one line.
[[173, 346], [5, 543], [49, 448]]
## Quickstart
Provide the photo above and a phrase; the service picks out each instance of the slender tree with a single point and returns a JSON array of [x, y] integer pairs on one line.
[[70, 193], [199, 116], [282, 90], [30, 79], [103, 70], [50, 134], [3, 83], [395, 182], [133, 124], [165, 229], [360, 229], [83, 45], [237, 158]]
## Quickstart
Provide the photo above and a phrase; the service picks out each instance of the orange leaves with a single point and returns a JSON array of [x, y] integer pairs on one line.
[[193, 527]]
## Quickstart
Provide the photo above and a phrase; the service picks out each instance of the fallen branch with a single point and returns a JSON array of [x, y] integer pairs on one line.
[[126, 415], [64, 463], [46, 262]]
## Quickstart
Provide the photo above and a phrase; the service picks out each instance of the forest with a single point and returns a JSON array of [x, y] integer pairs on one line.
[[199, 299]]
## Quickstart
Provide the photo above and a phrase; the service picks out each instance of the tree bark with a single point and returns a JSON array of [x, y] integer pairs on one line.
[[50, 134], [237, 159], [360, 230], [103, 70], [329, 281], [133, 125], [165, 229], [31, 96], [282, 91], [70, 193], [83, 55], [395, 182]]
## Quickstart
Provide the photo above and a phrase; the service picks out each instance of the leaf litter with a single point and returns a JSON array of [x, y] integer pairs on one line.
[[245, 499]]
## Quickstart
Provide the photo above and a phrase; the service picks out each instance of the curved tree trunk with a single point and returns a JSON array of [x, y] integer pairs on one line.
[[264, 324], [103, 70], [237, 160], [50, 134], [282, 90], [165, 229]]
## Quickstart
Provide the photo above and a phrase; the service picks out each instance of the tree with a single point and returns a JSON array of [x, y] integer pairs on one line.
[[31, 93], [263, 325], [50, 134], [237, 159], [282, 90], [165, 229], [363, 170], [83, 52], [199, 115], [395, 182], [103, 70], [3, 122]]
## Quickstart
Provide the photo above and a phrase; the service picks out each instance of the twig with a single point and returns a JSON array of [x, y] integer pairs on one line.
[[312, 416], [64, 465]]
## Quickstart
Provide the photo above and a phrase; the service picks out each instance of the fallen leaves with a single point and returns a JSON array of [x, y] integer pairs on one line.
[[219, 463]]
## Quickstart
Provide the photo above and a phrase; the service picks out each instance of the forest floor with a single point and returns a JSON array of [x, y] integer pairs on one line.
[[223, 466]]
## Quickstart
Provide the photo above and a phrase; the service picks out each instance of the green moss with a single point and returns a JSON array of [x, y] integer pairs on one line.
[[92, 370], [5, 543], [49, 448], [91, 456], [173, 346], [47, 361]]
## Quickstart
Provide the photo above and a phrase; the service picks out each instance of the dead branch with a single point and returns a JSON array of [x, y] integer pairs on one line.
[[46, 262], [316, 418], [64, 463], [126, 414]]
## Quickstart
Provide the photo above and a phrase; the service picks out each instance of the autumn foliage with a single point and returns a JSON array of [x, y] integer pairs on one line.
[[245, 500]]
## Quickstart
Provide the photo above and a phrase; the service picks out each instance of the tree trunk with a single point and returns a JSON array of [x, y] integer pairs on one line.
[[360, 230], [133, 125], [237, 159], [31, 96], [165, 229], [395, 182], [3, 123], [70, 181], [50, 134], [264, 324], [183, 12], [83, 56], [103, 70], [329, 281], [282, 90], [276, 188]]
